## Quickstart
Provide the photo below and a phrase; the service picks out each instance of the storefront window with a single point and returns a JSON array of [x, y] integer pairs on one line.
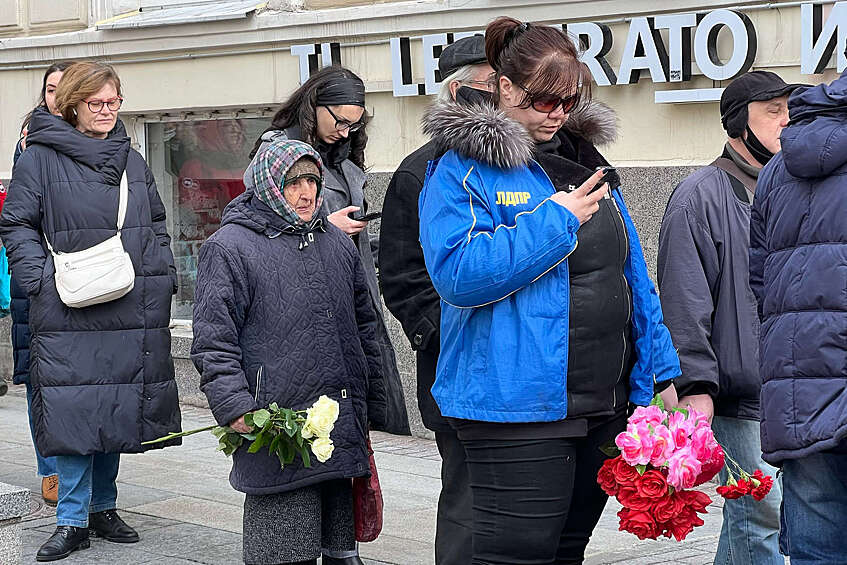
[[198, 166]]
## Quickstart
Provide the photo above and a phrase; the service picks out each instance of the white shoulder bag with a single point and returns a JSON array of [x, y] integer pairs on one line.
[[98, 274]]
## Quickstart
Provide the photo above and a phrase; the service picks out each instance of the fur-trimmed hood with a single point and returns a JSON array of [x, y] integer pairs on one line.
[[487, 134]]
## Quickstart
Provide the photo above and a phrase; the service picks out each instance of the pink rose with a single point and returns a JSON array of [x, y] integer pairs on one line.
[[663, 446], [681, 429], [636, 444], [652, 415], [683, 468], [700, 420], [703, 443]]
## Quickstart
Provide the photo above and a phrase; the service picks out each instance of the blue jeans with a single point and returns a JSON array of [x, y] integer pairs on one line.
[[86, 484], [815, 508], [46, 465], [750, 530]]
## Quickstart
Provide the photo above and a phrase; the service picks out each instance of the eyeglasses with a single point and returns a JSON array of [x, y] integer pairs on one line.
[[341, 124], [547, 103], [96, 106]]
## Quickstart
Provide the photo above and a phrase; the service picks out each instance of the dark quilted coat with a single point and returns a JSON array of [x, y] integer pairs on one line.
[[20, 333], [274, 322], [20, 321], [103, 375], [798, 271]]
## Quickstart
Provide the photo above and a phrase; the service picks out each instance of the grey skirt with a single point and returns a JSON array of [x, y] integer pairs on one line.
[[299, 525]]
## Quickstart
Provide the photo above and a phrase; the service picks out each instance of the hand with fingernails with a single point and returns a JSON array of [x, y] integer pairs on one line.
[[582, 202], [342, 220]]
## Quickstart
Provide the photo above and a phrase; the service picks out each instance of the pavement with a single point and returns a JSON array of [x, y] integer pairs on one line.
[[180, 501]]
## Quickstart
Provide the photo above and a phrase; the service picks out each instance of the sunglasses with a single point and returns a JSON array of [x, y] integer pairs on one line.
[[341, 124], [546, 103]]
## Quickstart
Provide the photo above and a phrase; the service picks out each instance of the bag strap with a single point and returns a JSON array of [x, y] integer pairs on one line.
[[122, 205]]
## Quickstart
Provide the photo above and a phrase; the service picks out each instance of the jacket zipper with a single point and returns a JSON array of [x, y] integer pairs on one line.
[[628, 302], [259, 381]]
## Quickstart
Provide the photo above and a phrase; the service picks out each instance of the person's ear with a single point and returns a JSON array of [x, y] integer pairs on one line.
[[507, 88]]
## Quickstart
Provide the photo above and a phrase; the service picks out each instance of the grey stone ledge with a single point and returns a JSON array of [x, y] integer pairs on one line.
[[14, 502]]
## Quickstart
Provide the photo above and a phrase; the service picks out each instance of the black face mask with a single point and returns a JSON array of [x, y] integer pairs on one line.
[[761, 153], [467, 96]]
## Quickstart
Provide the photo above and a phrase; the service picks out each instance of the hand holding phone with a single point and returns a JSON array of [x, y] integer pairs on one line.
[[368, 217]]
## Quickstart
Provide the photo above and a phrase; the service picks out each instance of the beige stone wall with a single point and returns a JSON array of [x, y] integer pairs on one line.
[[650, 134], [39, 17]]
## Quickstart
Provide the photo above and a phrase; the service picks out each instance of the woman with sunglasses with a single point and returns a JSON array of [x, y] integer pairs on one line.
[[328, 113], [102, 376], [550, 324]]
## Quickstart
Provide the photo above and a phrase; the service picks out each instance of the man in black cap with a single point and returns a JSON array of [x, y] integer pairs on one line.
[[409, 295], [709, 308]]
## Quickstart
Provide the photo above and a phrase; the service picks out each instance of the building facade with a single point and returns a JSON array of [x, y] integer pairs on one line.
[[201, 80]]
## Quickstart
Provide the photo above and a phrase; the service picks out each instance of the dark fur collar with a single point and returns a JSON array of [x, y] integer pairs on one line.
[[486, 134]]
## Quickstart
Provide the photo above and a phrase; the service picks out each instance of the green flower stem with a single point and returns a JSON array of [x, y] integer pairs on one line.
[[174, 435]]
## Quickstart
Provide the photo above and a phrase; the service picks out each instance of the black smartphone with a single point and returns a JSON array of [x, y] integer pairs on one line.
[[610, 175], [367, 217]]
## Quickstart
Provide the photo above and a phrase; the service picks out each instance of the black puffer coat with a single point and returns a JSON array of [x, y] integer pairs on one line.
[[274, 322], [20, 321], [103, 375]]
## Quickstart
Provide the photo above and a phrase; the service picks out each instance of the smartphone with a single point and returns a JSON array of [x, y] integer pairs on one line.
[[610, 175], [368, 217]]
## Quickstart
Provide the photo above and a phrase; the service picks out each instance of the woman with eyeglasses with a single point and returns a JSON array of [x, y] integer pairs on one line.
[[328, 113], [550, 325], [102, 375]]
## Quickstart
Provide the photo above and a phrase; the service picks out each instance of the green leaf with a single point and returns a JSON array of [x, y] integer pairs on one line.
[[299, 439], [641, 469], [274, 407], [610, 449], [248, 419], [281, 460], [288, 452], [261, 417], [304, 453], [250, 437], [274, 444], [682, 411], [657, 401]]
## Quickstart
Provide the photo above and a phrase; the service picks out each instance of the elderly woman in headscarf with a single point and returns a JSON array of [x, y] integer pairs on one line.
[[328, 113], [283, 315]]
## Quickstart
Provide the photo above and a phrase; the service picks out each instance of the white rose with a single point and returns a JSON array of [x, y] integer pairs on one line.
[[322, 447], [320, 418]]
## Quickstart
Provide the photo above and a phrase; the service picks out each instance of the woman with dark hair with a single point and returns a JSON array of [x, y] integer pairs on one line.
[[46, 466], [543, 343], [328, 113], [102, 375]]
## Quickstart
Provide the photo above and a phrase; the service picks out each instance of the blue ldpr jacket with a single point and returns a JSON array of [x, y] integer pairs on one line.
[[496, 249]]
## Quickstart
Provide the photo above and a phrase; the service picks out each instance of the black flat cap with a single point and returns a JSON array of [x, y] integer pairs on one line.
[[466, 51], [755, 86]]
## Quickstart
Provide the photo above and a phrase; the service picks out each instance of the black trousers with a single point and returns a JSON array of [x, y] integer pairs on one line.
[[454, 524], [536, 501]]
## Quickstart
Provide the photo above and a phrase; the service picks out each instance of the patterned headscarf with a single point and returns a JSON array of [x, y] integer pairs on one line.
[[265, 176]]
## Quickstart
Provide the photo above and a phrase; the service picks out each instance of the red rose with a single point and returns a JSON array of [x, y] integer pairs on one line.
[[684, 523], [694, 499], [606, 478], [765, 485], [639, 523], [731, 492], [668, 507], [630, 498], [710, 468], [652, 484], [625, 473]]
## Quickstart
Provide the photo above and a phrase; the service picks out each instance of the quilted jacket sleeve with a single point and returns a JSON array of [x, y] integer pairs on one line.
[[160, 225], [219, 311], [20, 224], [366, 321], [758, 241]]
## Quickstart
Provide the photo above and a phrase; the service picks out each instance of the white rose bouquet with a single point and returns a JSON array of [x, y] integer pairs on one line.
[[285, 432]]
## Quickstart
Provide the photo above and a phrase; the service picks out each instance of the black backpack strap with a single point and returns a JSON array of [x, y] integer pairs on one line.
[[739, 187]]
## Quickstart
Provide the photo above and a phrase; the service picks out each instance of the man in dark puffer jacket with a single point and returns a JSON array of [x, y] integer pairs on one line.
[[798, 261]]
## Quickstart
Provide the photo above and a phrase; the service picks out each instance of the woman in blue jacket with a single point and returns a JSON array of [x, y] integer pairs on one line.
[[550, 324]]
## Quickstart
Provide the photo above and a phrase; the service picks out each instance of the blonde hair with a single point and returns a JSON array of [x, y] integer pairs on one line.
[[80, 81]]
